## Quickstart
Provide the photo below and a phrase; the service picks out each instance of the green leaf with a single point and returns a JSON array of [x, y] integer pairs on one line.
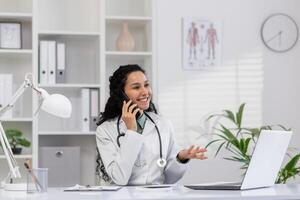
[[235, 151], [239, 115], [222, 136], [283, 128], [242, 145], [230, 115], [237, 159], [16, 139], [23, 142], [254, 132], [289, 170], [292, 163], [232, 159], [214, 115], [211, 142], [247, 141], [231, 138], [219, 149], [268, 127], [11, 133]]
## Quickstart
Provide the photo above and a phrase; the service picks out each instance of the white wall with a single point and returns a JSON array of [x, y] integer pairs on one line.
[[278, 92]]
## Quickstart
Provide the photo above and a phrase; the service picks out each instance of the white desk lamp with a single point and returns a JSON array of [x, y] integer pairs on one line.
[[55, 104]]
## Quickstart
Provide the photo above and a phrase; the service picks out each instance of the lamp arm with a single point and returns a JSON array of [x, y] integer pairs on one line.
[[28, 82], [14, 98], [12, 163]]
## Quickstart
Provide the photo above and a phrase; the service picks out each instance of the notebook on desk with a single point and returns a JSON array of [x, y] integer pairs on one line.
[[264, 165]]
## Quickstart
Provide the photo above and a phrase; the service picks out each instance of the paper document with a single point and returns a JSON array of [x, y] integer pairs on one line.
[[157, 186], [162, 187], [83, 188]]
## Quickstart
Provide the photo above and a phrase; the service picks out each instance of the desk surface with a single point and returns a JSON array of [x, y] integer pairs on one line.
[[178, 192]]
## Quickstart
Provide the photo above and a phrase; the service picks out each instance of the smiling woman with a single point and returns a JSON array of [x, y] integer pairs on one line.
[[137, 149], [138, 89]]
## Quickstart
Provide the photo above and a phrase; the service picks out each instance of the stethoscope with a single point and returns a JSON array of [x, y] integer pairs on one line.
[[161, 162]]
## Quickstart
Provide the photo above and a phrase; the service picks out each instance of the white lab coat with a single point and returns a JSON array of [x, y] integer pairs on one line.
[[135, 161]]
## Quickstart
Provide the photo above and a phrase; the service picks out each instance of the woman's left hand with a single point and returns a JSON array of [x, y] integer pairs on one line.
[[192, 153]]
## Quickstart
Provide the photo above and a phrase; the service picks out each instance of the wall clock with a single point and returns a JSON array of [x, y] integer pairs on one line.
[[279, 32]]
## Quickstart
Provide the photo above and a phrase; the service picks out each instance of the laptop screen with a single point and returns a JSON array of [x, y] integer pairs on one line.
[[266, 159]]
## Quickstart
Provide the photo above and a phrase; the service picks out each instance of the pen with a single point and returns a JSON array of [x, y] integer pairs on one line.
[[35, 180]]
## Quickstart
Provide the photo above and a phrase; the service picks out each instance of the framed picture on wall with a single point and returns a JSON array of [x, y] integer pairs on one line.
[[201, 43], [10, 35]]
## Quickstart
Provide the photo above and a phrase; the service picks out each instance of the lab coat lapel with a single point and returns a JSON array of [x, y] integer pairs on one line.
[[149, 126]]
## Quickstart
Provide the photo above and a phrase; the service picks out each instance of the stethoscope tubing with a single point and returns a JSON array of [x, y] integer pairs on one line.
[[161, 162]]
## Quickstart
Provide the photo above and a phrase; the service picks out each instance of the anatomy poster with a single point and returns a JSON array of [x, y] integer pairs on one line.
[[201, 43]]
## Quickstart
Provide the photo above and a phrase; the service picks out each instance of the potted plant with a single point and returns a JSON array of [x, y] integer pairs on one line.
[[16, 140], [238, 140]]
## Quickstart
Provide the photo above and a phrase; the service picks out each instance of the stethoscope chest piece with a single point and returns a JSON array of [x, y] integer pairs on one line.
[[161, 162]]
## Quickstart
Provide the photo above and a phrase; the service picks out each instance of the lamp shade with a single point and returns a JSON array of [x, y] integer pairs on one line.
[[56, 104]]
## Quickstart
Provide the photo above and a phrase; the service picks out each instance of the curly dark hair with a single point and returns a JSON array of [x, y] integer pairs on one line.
[[113, 107]]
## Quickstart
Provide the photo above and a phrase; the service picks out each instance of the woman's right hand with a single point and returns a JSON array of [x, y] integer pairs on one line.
[[128, 115]]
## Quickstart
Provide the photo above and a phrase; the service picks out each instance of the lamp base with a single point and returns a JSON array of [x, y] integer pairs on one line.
[[15, 186]]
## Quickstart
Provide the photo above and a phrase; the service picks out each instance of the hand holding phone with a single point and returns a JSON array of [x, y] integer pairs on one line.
[[129, 113], [126, 98]]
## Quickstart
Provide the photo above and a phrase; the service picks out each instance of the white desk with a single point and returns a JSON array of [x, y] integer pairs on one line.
[[274, 193]]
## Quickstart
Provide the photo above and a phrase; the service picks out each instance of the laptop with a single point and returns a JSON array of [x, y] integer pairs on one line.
[[264, 165]]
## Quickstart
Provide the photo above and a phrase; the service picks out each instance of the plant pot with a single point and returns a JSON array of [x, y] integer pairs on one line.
[[16, 151]]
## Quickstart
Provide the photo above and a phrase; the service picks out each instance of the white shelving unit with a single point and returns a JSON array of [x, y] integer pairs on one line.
[[89, 30], [18, 62]]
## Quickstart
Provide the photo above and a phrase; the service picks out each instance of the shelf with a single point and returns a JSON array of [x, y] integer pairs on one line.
[[18, 156], [128, 53], [114, 18], [17, 120], [23, 17], [16, 51], [117, 17], [69, 86], [66, 133], [133, 22], [69, 33]]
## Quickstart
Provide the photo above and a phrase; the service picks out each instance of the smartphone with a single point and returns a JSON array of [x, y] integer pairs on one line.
[[126, 98]]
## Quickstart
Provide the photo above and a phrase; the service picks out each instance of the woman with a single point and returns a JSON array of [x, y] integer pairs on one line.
[[136, 144]]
